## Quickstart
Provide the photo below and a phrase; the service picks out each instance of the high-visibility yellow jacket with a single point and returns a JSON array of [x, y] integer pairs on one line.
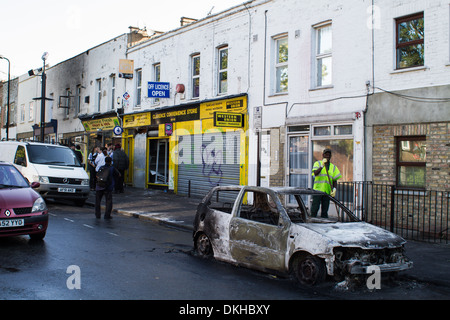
[[321, 181]]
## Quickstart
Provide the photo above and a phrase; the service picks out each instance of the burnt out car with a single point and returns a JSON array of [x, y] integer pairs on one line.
[[270, 229]]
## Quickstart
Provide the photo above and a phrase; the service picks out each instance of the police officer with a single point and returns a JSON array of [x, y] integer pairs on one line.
[[325, 176]]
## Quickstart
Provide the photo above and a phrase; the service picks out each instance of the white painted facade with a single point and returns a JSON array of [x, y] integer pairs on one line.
[[362, 54]]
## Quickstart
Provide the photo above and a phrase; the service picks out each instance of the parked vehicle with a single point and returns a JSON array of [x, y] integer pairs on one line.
[[270, 229], [55, 167], [22, 210]]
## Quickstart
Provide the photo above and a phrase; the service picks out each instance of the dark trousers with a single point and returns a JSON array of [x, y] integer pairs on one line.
[[118, 181], [109, 203], [92, 176], [318, 201]]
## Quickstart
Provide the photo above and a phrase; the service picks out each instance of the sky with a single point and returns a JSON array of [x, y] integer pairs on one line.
[[64, 29]]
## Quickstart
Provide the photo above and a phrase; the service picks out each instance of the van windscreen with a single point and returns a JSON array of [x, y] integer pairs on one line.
[[42, 154]]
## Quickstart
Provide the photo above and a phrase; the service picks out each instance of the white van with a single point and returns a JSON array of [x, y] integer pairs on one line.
[[55, 167]]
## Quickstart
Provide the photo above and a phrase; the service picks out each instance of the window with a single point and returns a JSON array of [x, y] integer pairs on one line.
[[68, 97], [138, 87], [113, 91], [157, 78], [281, 65], [338, 138], [411, 162], [31, 112], [22, 113], [78, 100], [261, 208], [196, 76], [323, 57], [410, 41], [99, 94], [223, 70]]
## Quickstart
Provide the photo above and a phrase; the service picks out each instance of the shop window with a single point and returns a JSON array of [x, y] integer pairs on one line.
[[338, 138], [411, 162], [410, 36]]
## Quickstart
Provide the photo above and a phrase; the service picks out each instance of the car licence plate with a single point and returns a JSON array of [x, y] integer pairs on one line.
[[11, 223], [70, 190]]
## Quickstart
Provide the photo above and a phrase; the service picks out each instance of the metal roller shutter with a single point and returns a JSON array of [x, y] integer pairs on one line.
[[208, 160]]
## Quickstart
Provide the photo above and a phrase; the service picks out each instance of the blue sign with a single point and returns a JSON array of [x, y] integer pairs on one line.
[[117, 130], [159, 90]]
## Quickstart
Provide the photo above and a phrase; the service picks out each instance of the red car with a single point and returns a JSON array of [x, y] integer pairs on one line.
[[22, 210]]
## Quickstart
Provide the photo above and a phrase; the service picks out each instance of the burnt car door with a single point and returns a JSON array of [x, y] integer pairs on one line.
[[259, 231]]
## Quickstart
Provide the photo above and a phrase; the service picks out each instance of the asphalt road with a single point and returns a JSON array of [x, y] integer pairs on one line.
[[82, 258]]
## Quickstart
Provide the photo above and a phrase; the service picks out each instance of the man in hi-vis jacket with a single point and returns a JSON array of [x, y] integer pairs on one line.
[[325, 176]]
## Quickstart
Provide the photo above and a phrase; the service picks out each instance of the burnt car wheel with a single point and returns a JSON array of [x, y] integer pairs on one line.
[[309, 270], [203, 246]]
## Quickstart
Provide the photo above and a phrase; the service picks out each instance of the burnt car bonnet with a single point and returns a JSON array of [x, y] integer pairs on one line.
[[357, 234]]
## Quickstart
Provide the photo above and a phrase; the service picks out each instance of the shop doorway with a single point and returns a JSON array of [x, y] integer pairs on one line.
[[158, 162], [299, 169]]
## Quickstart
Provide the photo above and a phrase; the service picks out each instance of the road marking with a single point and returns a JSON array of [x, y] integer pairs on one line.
[[52, 214], [88, 226], [67, 219], [113, 234]]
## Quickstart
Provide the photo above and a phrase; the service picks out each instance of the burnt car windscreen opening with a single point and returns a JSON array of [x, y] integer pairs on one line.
[[299, 212], [52, 155]]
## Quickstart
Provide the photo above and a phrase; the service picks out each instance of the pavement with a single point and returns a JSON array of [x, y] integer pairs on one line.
[[431, 260]]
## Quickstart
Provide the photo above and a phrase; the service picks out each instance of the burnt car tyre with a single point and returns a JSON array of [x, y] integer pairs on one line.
[[203, 246], [309, 270]]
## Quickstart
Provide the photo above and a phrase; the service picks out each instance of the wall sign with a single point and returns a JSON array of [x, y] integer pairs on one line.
[[224, 119], [158, 89]]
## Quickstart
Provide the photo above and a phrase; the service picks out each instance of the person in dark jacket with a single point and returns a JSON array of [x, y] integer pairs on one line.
[[106, 191], [121, 163]]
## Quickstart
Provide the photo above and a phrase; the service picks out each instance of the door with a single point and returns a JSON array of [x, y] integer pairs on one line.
[[299, 171], [258, 232], [129, 150], [158, 162]]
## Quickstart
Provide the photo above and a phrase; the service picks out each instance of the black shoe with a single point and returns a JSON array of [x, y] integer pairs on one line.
[[108, 217]]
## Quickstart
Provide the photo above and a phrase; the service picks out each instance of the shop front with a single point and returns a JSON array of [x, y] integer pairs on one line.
[[191, 148], [100, 130]]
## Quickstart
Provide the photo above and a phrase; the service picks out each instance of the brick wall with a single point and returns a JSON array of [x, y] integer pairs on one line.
[[438, 150]]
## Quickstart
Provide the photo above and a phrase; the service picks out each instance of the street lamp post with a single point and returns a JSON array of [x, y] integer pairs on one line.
[[44, 79], [7, 107]]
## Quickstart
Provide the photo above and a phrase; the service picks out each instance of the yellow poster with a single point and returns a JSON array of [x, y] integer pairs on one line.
[[236, 105]]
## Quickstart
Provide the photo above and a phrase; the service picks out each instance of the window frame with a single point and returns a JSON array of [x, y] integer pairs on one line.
[[156, 78], [221, 71], [279, 65], [113, 91], [138, 88], [399, 163], [98, 95], [78, 100], [320, 56], [399, 46], [195, 77]]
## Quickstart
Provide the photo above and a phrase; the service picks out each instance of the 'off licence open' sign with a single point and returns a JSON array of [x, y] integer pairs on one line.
[[159, 90]]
